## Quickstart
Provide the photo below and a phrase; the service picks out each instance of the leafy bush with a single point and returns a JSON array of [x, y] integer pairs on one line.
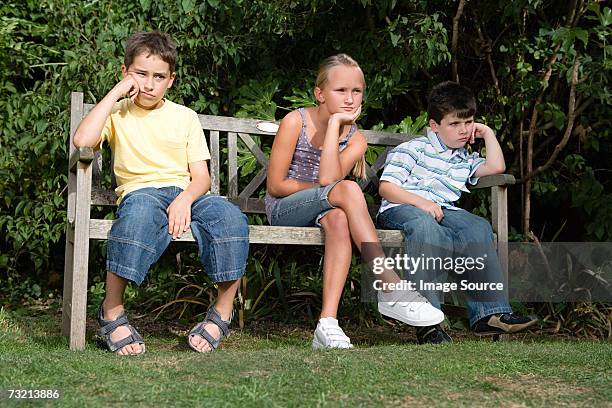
[[257, 59]]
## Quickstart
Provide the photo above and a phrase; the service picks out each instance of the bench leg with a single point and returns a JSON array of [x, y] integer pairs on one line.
[[68, 268], [69, 255], [78, 307], [77, 259], [499, 204], [241, 292]]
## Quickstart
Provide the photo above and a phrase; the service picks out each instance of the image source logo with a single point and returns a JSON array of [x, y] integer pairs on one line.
[[411, 264], [547, 272], [472, 270]]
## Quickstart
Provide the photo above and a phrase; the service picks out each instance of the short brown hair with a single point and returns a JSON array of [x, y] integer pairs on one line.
[[152, 43], [450, 97]]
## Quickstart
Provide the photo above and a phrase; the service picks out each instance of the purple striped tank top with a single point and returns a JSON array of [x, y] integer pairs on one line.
[[305, 162]]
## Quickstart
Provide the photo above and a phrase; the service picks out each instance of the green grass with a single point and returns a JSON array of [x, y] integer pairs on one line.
[[273, 365]]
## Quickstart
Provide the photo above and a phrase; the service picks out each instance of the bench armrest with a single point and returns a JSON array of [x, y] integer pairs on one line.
[[494, 180], [82, 154]]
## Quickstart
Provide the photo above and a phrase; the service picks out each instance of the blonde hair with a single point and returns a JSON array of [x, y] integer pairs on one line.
[[359, 169]]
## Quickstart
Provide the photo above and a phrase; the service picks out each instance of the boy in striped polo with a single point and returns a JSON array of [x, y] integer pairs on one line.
[[421, 181]]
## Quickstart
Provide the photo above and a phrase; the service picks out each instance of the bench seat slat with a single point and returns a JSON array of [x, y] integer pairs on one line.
[[264, 234], [260, 234]]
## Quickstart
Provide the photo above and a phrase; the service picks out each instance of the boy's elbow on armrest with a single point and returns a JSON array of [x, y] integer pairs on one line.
[[79, 143], [80, 140], [76, 141], [490, 169], [498, 168]]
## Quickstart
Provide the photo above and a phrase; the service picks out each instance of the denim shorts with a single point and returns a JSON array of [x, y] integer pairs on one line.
[[140, 235], [304, 208]]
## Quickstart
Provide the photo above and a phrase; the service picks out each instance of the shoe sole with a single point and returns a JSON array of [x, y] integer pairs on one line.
[[510, 328], [496, 336], [504, 328], [101, 343], [384, 310], [421, 342], [316, 345]]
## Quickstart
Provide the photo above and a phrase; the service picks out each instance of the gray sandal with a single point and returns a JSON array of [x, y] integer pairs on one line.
[[108, 326], [212, 316]]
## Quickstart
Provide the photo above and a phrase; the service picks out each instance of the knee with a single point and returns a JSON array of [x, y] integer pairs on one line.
[[234, 215], [424, 228], [481, 230], [347, 191], [234, 220], [336, 223], [237, 222], [220, 214], [141, 210]]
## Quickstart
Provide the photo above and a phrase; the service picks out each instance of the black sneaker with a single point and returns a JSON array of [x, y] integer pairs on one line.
[[432, 335], [503, 323]]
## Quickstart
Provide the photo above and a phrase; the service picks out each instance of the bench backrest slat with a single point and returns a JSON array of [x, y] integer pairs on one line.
[[232, 164], [235, 131], [215, 166]]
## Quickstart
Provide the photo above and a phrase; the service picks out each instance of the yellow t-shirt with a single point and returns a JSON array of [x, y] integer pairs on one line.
[[152, 148]]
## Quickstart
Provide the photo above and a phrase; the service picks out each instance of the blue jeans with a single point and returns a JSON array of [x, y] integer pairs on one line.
[[460, 233], [140, 235]]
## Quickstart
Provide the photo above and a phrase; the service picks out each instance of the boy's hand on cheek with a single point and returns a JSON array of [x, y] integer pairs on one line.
[[179, 215], [431, 208], [480, 131], [128, 87]]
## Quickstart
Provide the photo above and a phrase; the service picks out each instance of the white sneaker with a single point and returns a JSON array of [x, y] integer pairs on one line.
[[410, 307], [329, 335]]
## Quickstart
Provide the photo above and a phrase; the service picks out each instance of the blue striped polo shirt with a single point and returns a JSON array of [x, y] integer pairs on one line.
[[427, 167]]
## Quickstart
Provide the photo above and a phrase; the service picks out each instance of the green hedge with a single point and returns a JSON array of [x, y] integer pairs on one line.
[[257, 59]]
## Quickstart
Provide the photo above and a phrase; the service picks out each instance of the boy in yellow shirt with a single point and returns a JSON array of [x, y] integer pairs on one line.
[[160, 164]]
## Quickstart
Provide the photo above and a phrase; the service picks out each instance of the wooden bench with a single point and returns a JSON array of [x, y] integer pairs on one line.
[[84, 191]]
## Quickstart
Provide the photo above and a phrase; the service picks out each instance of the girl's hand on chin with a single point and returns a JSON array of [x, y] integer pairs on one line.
[[345, 118]]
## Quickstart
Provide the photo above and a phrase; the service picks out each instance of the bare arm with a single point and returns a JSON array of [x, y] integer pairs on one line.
[[200, 179], [179, 211], [278, 184], [395, 194], [90, 129], [336, 165], [494, 162]]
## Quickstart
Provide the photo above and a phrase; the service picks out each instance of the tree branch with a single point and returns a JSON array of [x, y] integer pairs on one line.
[[534, 114], [517, 164], [571, 116], [571, 20], [487, 50], [579, 111], [370, 19], [455, 39]]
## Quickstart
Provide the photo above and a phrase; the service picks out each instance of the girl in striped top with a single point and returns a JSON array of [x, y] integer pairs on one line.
[[315, 149]]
